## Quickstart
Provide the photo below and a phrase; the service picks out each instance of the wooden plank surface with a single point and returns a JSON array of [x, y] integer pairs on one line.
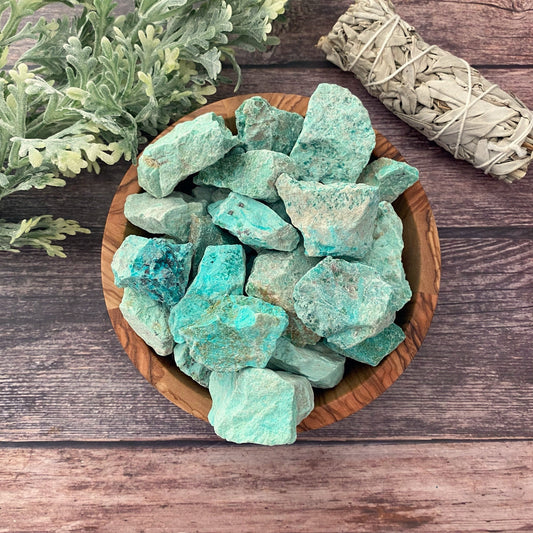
[[484, 33], [65, 376], [466, 487]]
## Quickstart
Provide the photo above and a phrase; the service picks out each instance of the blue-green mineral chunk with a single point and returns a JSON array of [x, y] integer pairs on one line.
[[258, 405], [263, 126], [346, 302], [336, 219], [188, 148], [149, 319], [254, 223], [323, 368], [158, 267], [386, 254], [221, 271], [235, 332], [273, 277], [204, 233], [189, 366], [372, 350], [337, 138], [170, 215], [251, 173], [391, 177]]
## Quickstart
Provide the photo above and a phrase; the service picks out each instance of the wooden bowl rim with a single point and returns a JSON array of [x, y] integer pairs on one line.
[[357, 389]]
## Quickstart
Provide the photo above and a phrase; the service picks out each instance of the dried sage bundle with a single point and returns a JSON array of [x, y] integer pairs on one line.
[[435, 92]]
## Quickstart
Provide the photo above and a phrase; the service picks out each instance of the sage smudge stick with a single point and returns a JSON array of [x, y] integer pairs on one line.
[[435, 92]]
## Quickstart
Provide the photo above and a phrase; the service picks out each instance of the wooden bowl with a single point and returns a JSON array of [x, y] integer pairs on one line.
[[361, 383]]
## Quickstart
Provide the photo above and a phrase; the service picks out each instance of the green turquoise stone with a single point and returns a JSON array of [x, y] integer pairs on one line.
[[204, 233], [235, 332], [273, 277], [386, 254], [253, 223], [169, 216], [189, 366], [336, 219], [298, 333], [372, 350], [188, 148], [261, 126], [337, 138], [258, 405], [389, 176], [149, 319], [275, 274], [324, 369], [344, 301], [158, 267], [251, 173], [221, 271]]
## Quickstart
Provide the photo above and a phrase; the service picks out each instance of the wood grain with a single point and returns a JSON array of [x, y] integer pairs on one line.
[[466, 487], [361, 383], [65, 376], [483, 33]]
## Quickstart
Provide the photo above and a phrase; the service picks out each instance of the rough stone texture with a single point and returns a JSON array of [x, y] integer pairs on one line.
[[323, 369], [251, 173], [188, 148], [169, 216], [273, 277], [337, 138], [254, 223], [258, 405], [149, 319], [235, 332], [204, 233], [389, 176], [156, 266], [386, 253], [372, 350], [336, 219], [263, 126], [221, 271], [299, 333], [346, 302], [189, 366]]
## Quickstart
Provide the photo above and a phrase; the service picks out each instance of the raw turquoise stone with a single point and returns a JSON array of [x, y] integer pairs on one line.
[[386, 254], [261, 126], [344, 301], [188, 148], [204, 233], [253, 223], [275, 274], [170, 215], [258, 405], [324, 369], [149, 319], [337, 138], [158, 267], [189, 366], [336, 219], [273, 277], [221, 271], [251, 173], [235, 332], [389, 176], [372, 350]]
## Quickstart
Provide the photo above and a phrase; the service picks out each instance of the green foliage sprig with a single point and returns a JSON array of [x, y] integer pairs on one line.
[[93, 86]]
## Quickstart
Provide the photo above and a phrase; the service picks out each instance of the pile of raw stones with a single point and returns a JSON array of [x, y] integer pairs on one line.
[[284, 259]]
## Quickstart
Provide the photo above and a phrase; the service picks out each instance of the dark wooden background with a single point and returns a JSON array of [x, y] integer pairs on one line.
[[86, 444]]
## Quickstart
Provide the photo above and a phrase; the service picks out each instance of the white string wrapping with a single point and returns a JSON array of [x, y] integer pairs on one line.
[[437, 93]]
